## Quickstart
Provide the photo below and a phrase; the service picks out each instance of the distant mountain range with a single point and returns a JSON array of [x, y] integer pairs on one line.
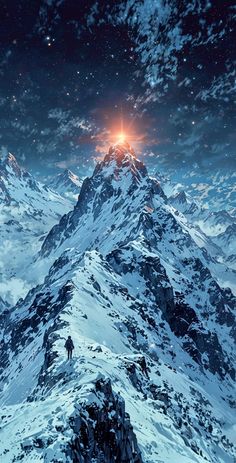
[[214, 189], [67, 184]]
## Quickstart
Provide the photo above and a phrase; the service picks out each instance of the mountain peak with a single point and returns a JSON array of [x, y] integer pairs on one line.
[[9, 163], [67, 184], [7, 158], [181, 197], [120, 151], [68, 173], [121, 156], [66, 178]]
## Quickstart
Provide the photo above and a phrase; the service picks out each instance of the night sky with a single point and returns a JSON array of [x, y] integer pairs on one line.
[[72, 70]]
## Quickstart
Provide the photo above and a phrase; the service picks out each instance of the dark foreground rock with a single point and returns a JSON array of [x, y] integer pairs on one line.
[[102, 430]]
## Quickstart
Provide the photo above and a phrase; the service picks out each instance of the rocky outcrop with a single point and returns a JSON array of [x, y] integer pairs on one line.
[[102, 430], [203, 345], [97, 429], [150, 268]]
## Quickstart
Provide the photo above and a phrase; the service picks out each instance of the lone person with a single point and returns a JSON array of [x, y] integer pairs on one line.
[[143, 365], [69, 347]]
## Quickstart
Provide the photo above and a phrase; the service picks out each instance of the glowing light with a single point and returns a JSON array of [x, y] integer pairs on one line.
[[121, 137], [122, 131]]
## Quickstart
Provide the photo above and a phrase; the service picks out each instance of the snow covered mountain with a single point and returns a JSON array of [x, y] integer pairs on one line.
[[185, 204], [217, 222], [27, 211], [211, 222], [67, 184], [169, 187], [227, 240], [215, 190], [216, 229], [119, 196], [152, 378]]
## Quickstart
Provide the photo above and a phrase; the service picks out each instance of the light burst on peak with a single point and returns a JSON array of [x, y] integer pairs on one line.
[[119, 131], [121, 138]]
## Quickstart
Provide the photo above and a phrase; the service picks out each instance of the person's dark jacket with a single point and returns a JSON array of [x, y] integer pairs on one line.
[[69, 344]]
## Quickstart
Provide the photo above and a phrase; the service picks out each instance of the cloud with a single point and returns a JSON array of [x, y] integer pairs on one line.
[[66, 163], [162, 33], [222, 88], [13, 289]]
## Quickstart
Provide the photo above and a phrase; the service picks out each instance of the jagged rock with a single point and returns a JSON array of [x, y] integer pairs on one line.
[[103, 433]]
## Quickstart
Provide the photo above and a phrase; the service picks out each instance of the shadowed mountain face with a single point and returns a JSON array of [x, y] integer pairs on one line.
[[135, 284]]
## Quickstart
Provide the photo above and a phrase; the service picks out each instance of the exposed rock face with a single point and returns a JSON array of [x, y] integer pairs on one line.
[[197, 341], [150, 268], [102, 431], [201, 344], [42, 310], [96, 429]]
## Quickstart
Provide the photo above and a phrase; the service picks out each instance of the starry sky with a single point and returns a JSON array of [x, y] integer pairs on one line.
[[73, 72]]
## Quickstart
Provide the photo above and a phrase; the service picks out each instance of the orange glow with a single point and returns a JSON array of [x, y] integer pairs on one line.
[[121, 137], [116, 134], [120, 128]]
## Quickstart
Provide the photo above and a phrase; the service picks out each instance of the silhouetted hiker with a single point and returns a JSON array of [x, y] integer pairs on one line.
[[69, 347], [142, 363]]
